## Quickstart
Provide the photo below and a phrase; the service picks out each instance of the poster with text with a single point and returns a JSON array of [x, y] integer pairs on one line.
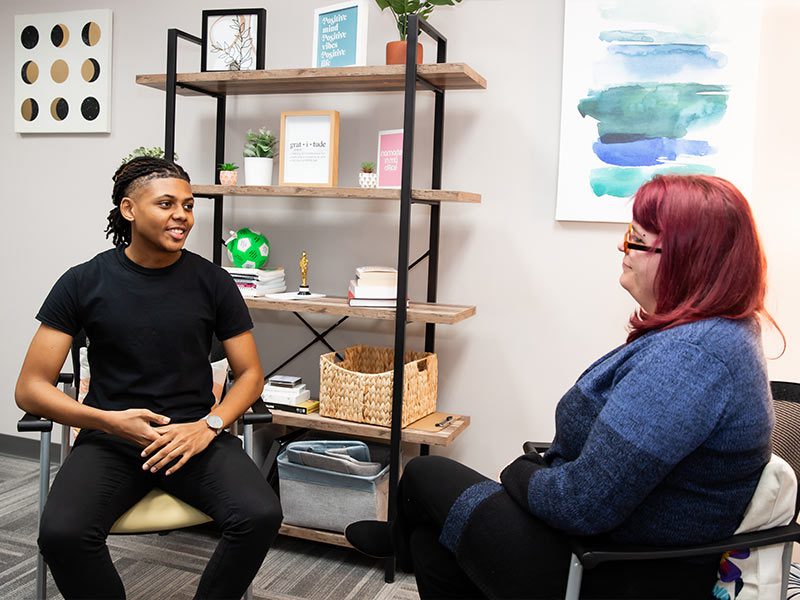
[[340, 35], [390, 158], [309, 153]]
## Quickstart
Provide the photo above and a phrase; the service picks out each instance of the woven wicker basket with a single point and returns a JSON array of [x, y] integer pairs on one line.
[[359, 388]]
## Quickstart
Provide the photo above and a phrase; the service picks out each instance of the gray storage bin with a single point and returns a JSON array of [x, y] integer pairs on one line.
[[330, 484]]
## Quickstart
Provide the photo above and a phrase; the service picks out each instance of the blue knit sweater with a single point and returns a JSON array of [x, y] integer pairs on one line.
[[661, 441]]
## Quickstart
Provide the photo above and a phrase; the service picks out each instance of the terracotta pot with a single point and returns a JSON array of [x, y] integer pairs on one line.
[[228, 177], [396, 53]]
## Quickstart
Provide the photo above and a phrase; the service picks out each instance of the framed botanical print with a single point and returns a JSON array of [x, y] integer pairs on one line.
[[234, 39]]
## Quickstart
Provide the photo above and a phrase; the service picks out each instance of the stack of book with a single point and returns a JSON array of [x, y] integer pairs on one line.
[[287, 392], [373, 287], [258, 282]]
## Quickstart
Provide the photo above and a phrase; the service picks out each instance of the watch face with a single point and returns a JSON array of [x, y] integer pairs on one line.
[[214, 421]]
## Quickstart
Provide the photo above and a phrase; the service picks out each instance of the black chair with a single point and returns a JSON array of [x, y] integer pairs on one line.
[[587, 554], [157, 511]]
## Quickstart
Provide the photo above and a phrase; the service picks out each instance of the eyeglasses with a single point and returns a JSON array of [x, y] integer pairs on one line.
[[628, 245]]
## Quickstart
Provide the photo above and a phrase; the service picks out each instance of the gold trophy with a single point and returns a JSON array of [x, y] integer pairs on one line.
[[304, 289]]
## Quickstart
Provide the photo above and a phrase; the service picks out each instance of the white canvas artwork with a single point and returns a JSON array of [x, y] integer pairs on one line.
[[62, 72], [656, 86]]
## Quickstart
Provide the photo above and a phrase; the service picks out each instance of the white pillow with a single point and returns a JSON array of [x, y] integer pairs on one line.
[[757, 573]]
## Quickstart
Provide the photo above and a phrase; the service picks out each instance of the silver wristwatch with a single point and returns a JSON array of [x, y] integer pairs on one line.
[[214, 422]]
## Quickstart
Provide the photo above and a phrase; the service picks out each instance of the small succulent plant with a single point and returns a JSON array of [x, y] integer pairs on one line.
[[368, 167], [228, 167]]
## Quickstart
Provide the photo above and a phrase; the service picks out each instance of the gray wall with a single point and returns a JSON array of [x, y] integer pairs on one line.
[[547, 294]]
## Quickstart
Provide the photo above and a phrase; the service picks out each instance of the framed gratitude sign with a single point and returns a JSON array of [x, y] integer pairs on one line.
[[390, 158], [340, 35], [234, 39], [309, 153]]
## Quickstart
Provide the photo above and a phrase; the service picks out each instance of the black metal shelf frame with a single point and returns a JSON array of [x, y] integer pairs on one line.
[[412, 80]]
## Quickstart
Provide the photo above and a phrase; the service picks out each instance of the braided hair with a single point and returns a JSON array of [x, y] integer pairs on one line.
[[129, 177]]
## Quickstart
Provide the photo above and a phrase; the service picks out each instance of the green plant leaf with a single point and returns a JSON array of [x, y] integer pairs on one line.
[[260, 143], [398, 6], [382, 4]]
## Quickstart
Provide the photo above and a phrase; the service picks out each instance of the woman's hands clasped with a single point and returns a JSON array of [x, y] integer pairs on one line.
[[177, 442]]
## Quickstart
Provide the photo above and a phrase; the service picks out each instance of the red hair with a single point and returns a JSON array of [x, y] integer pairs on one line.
[[712, 264]]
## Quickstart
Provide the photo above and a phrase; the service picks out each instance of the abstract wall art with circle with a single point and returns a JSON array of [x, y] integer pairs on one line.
[[62, 74]]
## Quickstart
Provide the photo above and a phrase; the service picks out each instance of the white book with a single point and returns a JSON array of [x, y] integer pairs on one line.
[[375, 269], [283, 399], [372, 291], [257, 274], [383, 276], [286, 391]]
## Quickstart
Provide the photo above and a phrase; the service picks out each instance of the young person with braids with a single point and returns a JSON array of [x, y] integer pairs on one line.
[[660, 442], [149, 309]]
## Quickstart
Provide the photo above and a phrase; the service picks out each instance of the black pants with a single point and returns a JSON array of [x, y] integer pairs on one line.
[[103, 477], [534, 561]]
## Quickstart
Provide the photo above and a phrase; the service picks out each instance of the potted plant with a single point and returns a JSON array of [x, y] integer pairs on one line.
[[153, 151], [401, 9], [228, 175], [368, 178], [259, 151]]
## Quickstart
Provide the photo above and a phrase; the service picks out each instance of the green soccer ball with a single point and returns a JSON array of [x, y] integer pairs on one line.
[[248, 249]]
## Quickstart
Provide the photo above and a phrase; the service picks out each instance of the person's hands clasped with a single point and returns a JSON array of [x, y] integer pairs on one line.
[[134, 424], [180, 441]]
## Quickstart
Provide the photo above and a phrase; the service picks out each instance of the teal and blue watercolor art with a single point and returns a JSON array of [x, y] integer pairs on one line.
[[659, 80]]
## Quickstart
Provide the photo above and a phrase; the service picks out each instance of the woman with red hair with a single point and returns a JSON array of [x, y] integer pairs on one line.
[[660, 442]]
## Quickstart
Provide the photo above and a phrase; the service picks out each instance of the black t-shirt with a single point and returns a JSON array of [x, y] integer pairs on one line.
[[149, 330]]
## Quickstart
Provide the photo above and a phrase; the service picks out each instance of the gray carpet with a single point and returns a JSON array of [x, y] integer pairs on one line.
[[154, 567]]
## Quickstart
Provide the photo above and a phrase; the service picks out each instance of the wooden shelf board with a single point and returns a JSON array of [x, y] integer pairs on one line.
[[414, 436], [335, 192], [315, 535], [380, 78], [418, 312]]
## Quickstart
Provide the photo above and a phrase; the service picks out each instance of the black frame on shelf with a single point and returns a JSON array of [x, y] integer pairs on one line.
[[260, 35], [412, 79]]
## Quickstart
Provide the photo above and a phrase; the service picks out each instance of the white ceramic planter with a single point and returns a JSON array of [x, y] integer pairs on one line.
[[257, 170], [368, 180]]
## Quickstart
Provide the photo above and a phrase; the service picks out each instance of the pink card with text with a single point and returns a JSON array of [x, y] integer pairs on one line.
[[390, 158]]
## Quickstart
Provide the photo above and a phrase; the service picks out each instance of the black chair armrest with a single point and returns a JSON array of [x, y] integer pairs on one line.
[[260, 414], [33, 423], [539, 447], [252, 418], [592, 554], [65, 378]]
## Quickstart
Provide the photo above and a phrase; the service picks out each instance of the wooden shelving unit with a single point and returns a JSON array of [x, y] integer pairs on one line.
[[319, 192], [409, 434], [409, 80], [418, 312], [388, 78], [315, 535]]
